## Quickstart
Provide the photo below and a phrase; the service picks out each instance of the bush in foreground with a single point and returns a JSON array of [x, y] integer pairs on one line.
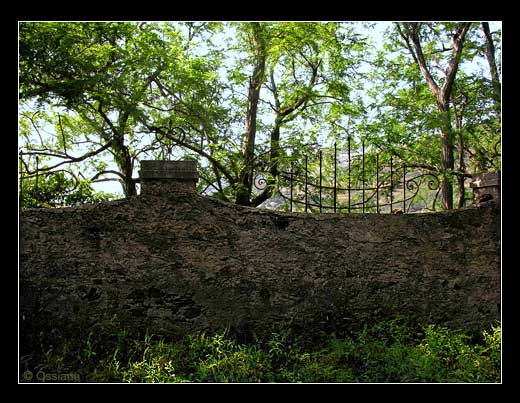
[[391, 351]]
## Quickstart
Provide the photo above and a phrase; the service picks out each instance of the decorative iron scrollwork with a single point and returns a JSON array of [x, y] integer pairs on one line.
[[333, 180], [260, 181]]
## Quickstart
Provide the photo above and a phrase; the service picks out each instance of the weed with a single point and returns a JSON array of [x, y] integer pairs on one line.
[[390, 351]]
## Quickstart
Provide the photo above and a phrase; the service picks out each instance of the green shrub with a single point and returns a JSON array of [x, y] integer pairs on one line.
[[390, 351]]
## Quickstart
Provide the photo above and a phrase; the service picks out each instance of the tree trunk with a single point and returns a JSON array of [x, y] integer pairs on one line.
[[462, 165], [248, 142], [273, 169], [129, 187], [447, 160], [442, 96], [124, 163], [490, 55], [275, 148]]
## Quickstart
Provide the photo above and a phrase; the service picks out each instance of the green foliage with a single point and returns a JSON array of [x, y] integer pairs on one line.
[[178, 89], [58, 190], [390, 351], [403, 114], [101, 85], [458, 360]]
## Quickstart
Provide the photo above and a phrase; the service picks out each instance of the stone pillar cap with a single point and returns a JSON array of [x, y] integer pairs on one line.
[[158, 169]]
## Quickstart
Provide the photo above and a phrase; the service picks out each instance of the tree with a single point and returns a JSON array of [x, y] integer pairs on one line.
[[246, 98], [58, 189], [410, 33], [288, 72], [256, 38], [490, 56], [98, 79], [403, 114], [74, 67]]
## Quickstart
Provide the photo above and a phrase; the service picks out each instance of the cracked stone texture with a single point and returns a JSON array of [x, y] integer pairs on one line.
[[181, 263]]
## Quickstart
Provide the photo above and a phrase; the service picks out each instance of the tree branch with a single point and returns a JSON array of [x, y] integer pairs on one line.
[[406, 38], [62, 135], [35, 127], [458, 41], [105, 118], [490, 55], [302, 99], [69, 160], [96, 176], [275, 92], [421, 60]]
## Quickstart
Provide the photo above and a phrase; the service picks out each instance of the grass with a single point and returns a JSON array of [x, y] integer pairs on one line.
[[390, 351]]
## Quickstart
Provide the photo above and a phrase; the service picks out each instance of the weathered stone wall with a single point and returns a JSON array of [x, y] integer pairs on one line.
[[181, 262]]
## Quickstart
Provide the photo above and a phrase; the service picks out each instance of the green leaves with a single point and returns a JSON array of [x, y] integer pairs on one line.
[[190, 80], [59, 189], [405, 112], [396, 351]]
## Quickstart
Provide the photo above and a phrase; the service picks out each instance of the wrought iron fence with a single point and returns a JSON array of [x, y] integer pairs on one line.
[[333, 180]]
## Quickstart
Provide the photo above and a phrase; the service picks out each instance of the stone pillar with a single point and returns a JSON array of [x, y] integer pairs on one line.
[[162, 177], [486, 186]]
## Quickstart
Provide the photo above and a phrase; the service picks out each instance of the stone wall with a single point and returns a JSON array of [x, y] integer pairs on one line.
[[181, 263]]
